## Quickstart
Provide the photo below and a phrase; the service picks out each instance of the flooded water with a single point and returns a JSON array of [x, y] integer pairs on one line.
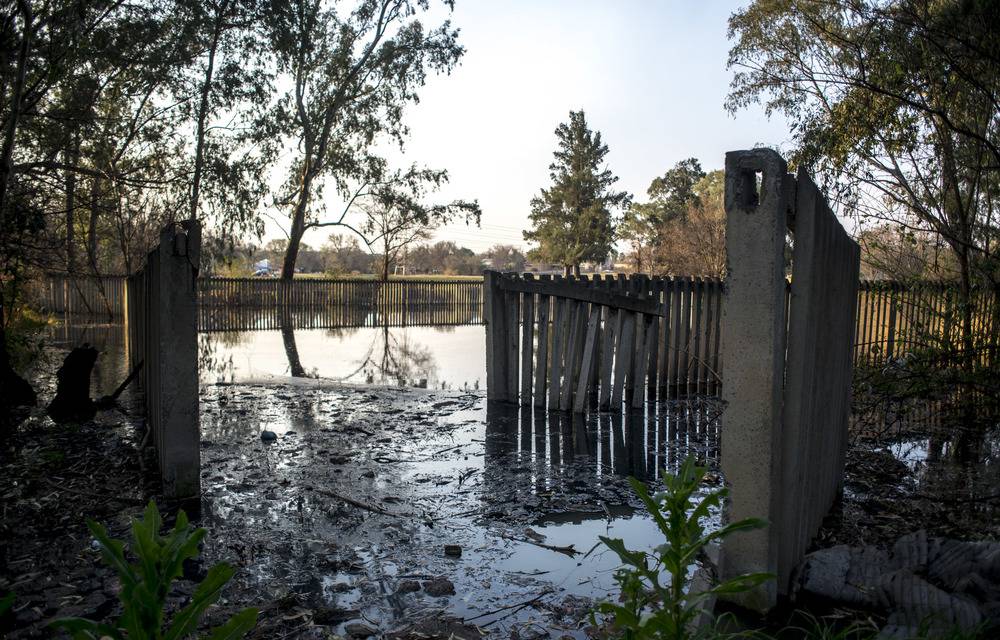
[[525, 496], [437, 357], [395, 419]]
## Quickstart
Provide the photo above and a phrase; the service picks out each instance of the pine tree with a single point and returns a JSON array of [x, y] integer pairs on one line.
[[573, 219]]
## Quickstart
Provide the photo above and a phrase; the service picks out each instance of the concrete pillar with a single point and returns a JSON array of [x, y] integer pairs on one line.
[[176, 344], [758, 197]]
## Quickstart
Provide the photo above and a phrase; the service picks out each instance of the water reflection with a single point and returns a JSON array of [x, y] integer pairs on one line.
[[640, 443], [110, 340], [440, 357]]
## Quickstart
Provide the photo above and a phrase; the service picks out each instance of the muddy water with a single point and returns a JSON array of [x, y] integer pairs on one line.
[[525, 498], [347, 513]]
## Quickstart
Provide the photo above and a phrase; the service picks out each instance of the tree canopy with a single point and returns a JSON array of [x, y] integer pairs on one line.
[[574, 219]]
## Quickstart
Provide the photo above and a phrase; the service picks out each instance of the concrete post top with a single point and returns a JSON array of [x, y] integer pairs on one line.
[[742, 168]]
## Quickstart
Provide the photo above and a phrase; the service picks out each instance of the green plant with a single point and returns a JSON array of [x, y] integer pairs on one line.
[[655, 605], [146, 583]]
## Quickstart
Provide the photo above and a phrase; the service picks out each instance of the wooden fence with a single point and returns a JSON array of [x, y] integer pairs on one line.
[[322, 293], [578, 343], [894, 319], [85, 295]]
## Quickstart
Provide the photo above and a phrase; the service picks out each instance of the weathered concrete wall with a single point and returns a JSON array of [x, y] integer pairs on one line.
[[753, 349], [177, 346], [787, 377], [161, 314]]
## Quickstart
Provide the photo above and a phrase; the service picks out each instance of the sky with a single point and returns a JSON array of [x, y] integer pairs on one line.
[[650, 75]]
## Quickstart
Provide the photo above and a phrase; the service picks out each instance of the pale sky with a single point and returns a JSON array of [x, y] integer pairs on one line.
[[651, 76]]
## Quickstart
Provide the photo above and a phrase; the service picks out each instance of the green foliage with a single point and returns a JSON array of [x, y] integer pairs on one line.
[[657, 600], [146, 583], [573, 219], [6, 603], [892, 104]]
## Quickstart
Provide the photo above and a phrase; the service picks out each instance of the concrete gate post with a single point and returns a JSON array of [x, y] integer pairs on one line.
[[179, 437], [758, 196]]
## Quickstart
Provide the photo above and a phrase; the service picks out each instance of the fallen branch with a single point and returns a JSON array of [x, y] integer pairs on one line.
[[568, 550], [134, 501], [516, 607], [355, 503]]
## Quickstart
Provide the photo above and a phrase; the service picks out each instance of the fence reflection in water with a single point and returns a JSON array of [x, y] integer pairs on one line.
[[642, 444]]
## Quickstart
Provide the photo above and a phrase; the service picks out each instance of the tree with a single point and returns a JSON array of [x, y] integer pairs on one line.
[[904, 255], [224, 92], [506, 257], [695, 243], [342, 254], [895, 105], [351, 75], [670, 197], [396, 219], [574, 219]]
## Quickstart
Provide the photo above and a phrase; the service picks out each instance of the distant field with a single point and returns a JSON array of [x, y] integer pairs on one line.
[[324, 276]]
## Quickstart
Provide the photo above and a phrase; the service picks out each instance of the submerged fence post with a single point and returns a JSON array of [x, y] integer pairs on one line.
[[494, 317], [753, 349]]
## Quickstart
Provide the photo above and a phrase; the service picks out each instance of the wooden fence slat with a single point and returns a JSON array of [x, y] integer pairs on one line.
[[589, 353], [527, 343]]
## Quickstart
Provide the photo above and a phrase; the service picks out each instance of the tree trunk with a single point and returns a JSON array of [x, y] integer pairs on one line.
[[72, 157], [92, 225], [298, 227], [206, 89], [576, 270], [6, 156]]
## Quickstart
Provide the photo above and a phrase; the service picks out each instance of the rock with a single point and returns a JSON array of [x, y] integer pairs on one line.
[[268, 436], [332, 615], [72, 402], [453, 550], [359, 630], [438, 587], [408, 586]]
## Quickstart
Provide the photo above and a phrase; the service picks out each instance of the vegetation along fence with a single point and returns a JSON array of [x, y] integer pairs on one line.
[[161, 321], [606, 342]]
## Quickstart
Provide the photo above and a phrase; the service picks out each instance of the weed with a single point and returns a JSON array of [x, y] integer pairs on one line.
[[146, 583], [651, 607]]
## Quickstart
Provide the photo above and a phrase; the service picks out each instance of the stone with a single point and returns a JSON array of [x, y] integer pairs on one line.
[[408, 586], [359, 630], [438, 587], [453, 550], [268, 436]]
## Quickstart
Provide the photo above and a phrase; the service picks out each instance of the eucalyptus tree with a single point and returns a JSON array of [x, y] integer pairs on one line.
[[225, 92], [574, 219], [351, 70], [896, 105]]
